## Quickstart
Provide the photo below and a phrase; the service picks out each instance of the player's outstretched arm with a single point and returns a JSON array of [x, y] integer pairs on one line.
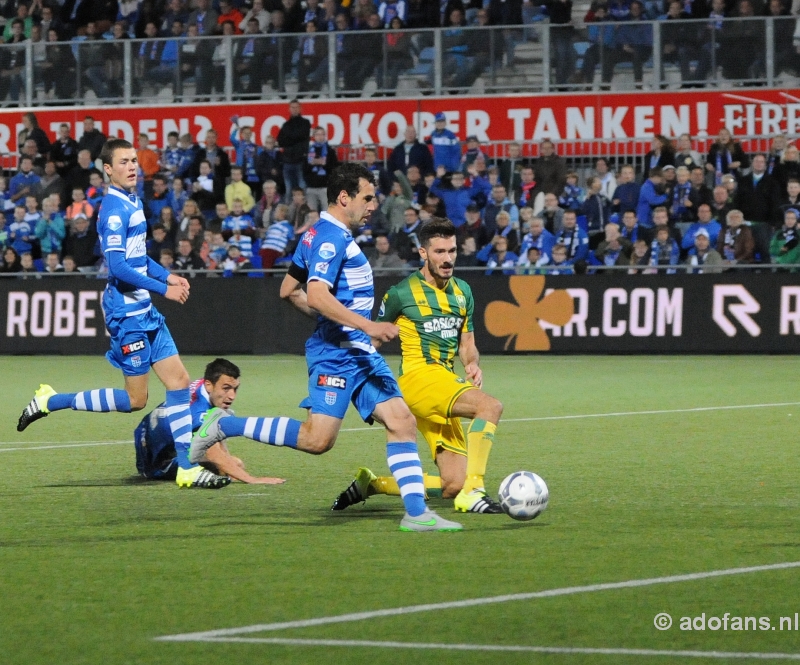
[[322, 300], [470, 357], [292, 290], [228, 465]]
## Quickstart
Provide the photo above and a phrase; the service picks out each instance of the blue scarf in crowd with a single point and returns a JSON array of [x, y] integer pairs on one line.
[[316, 151]]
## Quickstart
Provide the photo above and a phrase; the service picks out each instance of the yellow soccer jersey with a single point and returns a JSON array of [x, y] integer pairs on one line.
[[430, 320]]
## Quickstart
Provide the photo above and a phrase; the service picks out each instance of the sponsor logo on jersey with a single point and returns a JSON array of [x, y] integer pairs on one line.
[[332, 381], [308, 237], [133, 347], [442, 323], [327, 251], [321, 267], [137, 247], [330, 398], [114, 240]]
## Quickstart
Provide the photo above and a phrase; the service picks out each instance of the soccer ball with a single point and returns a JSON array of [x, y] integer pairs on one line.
[[523, 495]]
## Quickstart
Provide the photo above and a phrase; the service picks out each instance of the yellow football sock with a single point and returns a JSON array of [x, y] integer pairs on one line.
[[479, 443], [388, 485], [384, 485]]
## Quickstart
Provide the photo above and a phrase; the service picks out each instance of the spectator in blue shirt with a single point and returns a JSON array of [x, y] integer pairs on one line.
[[632, 230], [706, 222], [651, 195], [603, 38], [457, 197], [161, 198], [20, 231], [498, 258], [499, 202], [246, 155], [171, 156], [25, 182], [573, 238], [572, 196], [166, 71], [635, 41], [559, 263], [446, 146], [538, 237], [626, 195], [238, 220], [664, 251], [595, 208]]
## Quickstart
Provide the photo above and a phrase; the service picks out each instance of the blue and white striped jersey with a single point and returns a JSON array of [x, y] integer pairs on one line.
[[122, 227], [329, 254], [278, 236]]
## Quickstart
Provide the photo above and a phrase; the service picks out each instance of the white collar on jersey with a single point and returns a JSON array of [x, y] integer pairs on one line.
[[204, 393], [130, 197], [330, 218]]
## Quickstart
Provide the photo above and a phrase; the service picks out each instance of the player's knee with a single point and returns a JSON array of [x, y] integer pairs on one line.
[[138, 402], [405, 426], [491, 409], [319, 444]]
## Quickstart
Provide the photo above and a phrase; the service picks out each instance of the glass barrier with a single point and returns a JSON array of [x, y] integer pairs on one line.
[[538, 56]]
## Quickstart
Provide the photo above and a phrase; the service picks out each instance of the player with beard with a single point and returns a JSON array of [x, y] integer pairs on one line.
[[434, 311]]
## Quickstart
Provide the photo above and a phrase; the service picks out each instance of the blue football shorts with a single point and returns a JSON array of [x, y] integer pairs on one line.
[[337, 378], [155, 449], [137, 343]]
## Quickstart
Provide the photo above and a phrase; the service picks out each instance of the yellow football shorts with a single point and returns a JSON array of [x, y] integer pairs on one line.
[[430, 393]]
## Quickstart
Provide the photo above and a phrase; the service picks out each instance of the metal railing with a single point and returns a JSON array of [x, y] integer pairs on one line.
[[535, 57], [681, 268]]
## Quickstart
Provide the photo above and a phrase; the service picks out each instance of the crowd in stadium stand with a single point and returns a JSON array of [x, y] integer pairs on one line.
[[286, 38], [208, 210]]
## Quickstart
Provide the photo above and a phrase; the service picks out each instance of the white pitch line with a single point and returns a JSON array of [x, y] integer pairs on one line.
[[74, 445], [617, 414], [472, 602], [26, 443], [579, 416], [505, 648]]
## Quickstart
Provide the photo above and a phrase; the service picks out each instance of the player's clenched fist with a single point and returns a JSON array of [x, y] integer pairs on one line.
[[177, 292], [383, 332], [177, 280]]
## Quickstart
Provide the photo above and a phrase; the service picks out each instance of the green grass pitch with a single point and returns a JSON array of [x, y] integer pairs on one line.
[[95, 564]]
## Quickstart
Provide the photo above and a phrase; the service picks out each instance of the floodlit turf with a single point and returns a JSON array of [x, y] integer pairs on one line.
[[95, 564]]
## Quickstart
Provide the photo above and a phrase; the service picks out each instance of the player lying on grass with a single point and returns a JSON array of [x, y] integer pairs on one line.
[[140, 339], [155, 446], [343, 365], [434, 311]]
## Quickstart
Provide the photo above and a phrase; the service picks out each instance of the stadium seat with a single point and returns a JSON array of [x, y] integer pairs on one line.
[[256, 261]]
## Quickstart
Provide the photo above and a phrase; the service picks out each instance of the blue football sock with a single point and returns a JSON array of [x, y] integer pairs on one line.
[[102, 401], [274, 431], [405, 465], [180, 423], [60, 401]]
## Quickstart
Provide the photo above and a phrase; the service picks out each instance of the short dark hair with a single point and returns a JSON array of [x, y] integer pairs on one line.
[[159, 227], [110, 146], [436, 227], [171, 134], [216, 368], [347, 178], [656, 173]]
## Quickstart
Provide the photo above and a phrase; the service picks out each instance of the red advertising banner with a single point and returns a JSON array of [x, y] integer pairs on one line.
[[609, 118]]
